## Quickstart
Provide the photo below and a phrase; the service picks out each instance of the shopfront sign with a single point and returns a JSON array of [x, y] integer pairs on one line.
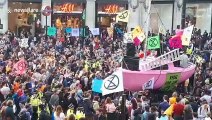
[[111, 9], [67, 8]]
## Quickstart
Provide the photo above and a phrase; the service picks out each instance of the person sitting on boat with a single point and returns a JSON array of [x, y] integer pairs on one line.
[[184, 62]]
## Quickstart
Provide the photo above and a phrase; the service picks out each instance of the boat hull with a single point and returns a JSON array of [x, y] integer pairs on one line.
[[134, 80]]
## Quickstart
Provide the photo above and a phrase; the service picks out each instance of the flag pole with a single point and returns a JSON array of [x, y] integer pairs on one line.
[[147, 26]]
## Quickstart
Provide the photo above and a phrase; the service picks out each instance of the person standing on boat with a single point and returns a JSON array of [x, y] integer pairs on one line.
[[184, 62]]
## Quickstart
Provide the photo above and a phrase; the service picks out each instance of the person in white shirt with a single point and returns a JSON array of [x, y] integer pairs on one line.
[[183, 60], [5, 90], [58, 114], [206, 97]]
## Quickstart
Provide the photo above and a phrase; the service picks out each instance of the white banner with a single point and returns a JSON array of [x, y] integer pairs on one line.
[[113, 83]]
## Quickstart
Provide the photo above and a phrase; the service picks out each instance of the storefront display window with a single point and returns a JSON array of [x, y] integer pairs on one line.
[[199, 15], [67, 15], [22, 16], [107, 13]]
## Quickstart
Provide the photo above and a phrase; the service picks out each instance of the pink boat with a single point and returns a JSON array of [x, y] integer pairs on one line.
[[134, 80]]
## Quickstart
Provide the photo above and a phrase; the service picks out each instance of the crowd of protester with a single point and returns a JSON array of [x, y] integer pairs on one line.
[[59, 74]]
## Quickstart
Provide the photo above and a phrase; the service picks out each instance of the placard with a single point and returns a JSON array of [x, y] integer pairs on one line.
[[94, 31], [68, 30], [24, 43], [171, 81], [51, 31], [75, 32]]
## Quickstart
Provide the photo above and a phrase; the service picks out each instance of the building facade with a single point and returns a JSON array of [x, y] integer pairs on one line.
[[26, 14]]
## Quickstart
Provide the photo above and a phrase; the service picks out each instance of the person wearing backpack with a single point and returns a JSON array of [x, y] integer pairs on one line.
[[44, 115], [24, 114]]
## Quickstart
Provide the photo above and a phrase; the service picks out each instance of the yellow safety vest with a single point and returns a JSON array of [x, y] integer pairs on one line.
[[189, 51], [94, 65], [78, 115], [35, 101], [70, 112]]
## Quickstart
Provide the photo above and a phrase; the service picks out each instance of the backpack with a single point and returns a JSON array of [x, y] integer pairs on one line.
[[23, 115]]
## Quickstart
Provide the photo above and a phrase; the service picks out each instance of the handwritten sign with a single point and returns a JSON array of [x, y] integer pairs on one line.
[[171, 81], [95, 31], [75, 32]]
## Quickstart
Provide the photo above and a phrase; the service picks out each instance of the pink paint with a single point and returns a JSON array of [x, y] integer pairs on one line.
[[134, 80]]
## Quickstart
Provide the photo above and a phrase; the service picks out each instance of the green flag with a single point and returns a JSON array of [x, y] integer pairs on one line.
[[153, 42]]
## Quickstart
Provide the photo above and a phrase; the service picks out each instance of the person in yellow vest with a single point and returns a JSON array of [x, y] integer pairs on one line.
[[35, 102], [189, 51], [94, 65], [78, 115], [98, 64], [70, 112]]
